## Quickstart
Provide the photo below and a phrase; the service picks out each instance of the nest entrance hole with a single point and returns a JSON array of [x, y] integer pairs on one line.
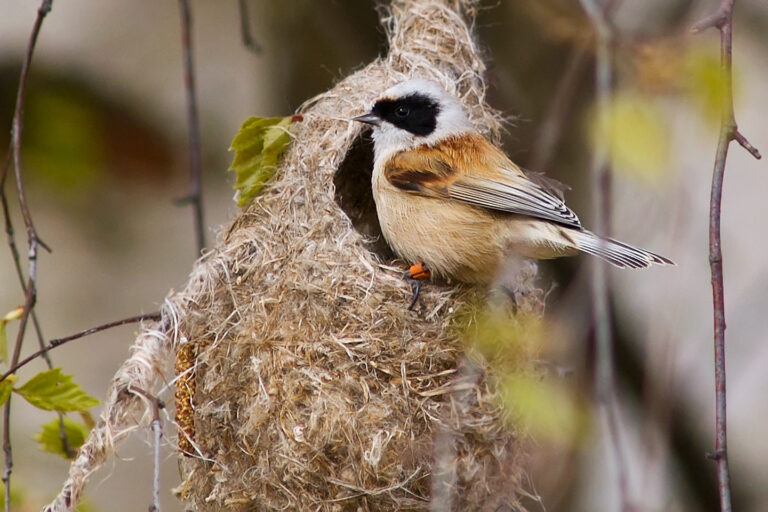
[[355, 197]]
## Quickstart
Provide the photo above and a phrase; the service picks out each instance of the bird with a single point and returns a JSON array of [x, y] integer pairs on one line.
[[455, 206]]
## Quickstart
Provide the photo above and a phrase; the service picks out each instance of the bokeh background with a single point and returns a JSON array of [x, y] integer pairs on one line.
[[105, 155]]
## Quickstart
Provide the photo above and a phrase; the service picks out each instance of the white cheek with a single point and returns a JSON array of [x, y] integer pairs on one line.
[[389, 139]]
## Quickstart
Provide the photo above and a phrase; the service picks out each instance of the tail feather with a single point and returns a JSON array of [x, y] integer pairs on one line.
[[614, 252]]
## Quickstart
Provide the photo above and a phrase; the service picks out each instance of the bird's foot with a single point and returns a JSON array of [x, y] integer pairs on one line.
[[416, 274]]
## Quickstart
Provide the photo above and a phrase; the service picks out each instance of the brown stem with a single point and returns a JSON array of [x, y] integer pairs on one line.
[[33, 241], [195, 196], [61, 341], [605, 384], [9, 231], [549, 131], [723, 21]]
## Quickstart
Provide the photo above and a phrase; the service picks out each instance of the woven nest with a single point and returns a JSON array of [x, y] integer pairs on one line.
[[304, 383]]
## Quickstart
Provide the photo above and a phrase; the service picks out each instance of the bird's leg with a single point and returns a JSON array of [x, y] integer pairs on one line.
[[511, 295], [416, 274]]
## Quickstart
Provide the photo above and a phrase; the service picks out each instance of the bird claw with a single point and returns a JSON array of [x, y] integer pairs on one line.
[[416, 287], [416, 275]]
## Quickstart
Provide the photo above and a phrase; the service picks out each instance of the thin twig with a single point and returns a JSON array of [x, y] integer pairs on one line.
[[605, 385], [195, 196], [245, 27], [16, 257], [551, 128], [33, 241], [157, 434], [61, 341], [722, 19]]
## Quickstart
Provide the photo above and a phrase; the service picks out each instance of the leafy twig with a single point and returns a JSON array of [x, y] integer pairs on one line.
[[9, 231], [33, 241], [195, 196], [61, 341], [605, 385], [722, 19]]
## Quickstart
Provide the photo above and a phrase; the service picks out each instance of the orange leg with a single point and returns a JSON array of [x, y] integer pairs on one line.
[[417, 273]]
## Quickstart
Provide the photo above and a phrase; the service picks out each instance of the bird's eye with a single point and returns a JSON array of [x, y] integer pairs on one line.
[[402, 111]]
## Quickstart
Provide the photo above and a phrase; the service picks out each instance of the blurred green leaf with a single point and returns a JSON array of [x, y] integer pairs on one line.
[[6, 387], [50, 440], [506, 341], [19, 499], [637, 136], [258, 147], [544, 407], [85, 506], [63, 139], [706, 82], [14, 314], [53, 391]]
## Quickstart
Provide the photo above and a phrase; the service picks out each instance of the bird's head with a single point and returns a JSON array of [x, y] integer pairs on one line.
[[412, 113]]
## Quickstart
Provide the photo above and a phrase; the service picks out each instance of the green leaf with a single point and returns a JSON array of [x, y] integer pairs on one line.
[[19, 500], [14, 314], [257, 148], [6, 387], [706, 82], [53, 391], [50, 440], [638, 136], [546, 407]]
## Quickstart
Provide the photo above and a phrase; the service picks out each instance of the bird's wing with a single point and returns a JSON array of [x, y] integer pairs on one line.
[[470, 169]]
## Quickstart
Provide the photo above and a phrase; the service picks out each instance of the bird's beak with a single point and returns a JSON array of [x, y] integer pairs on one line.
[[369, 118]]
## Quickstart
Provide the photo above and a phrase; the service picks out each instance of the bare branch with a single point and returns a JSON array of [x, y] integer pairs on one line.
[[742, 140], [33, 241], [61, 341], [723, 20], [605, 385], [16, 257], [195, 196], [157, 434], [551, 127], [715, 20]]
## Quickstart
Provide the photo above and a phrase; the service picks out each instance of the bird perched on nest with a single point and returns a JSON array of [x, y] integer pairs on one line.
[[453, 204]]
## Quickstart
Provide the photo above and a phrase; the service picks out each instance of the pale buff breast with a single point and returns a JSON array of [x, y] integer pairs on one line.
[[453, 239]]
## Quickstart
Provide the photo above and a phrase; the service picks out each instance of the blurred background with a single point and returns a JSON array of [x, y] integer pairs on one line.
[[105, 155]]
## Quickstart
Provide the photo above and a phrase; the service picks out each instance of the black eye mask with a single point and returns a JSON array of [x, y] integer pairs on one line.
[[415, 113]]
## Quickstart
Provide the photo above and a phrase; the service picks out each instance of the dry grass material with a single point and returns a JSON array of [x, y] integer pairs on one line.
[[314, 388]]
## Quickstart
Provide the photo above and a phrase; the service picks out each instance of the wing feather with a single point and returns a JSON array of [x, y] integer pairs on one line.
[[471, 170]]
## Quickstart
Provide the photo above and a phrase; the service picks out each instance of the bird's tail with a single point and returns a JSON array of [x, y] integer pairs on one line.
[[617, 253]]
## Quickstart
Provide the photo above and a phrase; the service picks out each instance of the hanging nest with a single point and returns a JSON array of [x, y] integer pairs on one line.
[[304, 382]]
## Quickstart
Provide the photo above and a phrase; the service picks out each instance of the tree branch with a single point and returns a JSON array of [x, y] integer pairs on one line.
[[61, 341], [157, 434], [195, 196], [605, 385], [16, 257], [33, 240], [722, 19]]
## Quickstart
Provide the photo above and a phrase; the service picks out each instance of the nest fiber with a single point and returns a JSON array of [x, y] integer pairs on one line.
[[304, 382]]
